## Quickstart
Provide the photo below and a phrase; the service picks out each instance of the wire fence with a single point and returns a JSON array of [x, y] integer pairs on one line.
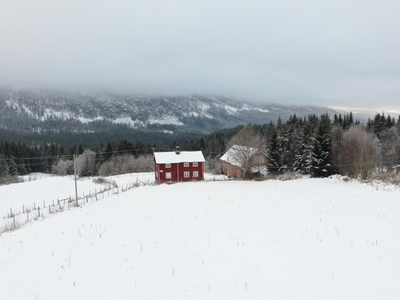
[[15, 219], [18, 218]]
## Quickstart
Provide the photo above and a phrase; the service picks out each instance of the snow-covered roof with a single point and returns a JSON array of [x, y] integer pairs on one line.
[[183, 156], [234, 155]]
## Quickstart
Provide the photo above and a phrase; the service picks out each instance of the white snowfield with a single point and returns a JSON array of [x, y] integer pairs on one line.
[[39, 187], [302, 239]]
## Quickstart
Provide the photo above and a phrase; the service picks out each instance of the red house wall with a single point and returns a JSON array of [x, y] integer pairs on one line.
[[230, 170], [177, 172]]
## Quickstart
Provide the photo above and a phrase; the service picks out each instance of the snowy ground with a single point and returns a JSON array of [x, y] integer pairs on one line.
[[303, 239], [38, 188]]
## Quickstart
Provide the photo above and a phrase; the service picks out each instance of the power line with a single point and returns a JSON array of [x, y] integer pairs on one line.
[[132, 150]]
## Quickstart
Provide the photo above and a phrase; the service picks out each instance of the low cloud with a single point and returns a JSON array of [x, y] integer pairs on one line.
[[339, 53]]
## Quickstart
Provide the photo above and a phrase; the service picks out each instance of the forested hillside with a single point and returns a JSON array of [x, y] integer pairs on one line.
[[68, 118], [315, 145]]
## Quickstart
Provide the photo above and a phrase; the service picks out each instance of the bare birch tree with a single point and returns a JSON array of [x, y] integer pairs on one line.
[[246, 147], [359, 153]]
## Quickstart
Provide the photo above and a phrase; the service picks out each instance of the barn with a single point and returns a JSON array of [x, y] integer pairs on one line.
[[179, 166], [241, 159]]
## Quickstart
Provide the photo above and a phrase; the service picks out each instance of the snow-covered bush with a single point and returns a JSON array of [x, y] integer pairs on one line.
[[63, 167], [122, 164]]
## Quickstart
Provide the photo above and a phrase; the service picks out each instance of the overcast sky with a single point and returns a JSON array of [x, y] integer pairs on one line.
[[335, 53]]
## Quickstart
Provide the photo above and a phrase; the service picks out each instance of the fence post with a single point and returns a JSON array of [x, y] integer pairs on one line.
[[11, 213], [39, 211], [14, 222], [23, 209]]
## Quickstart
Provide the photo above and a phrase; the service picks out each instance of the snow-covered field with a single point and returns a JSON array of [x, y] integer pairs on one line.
[[302, 239], [38, 188]]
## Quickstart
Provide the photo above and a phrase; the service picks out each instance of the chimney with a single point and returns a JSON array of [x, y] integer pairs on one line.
[[177, 150]]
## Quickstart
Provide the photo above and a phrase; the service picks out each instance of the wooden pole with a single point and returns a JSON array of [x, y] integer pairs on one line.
[[76, 184]]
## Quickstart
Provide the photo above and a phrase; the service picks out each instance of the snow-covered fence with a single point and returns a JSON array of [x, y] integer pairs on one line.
[[17, 218]]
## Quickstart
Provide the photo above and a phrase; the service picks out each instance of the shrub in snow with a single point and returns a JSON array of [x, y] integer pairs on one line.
[[63, 167], [122, 164], [359, 152]]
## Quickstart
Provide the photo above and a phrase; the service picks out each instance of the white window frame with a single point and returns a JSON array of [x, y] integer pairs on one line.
[[186, 164], [168, 175], [195, 174], [168, 165], [186, 174], [195, 164]]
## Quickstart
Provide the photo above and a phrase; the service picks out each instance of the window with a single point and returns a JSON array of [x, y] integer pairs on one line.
[[168, 165], [195, 164], [186, 174], [167, 175], [186, 165], [195, 174]]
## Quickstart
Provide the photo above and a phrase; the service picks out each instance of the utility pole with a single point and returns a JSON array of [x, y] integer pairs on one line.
[[76, 185]]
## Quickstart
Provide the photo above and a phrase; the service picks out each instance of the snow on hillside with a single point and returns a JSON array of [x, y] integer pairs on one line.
[[303, 239], [165, 120]]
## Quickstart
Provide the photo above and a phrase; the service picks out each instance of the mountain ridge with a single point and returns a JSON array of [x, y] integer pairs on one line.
[[160, 118]]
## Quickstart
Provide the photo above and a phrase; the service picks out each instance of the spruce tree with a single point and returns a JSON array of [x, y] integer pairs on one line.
[[12, 166], [109, 152], [4, 171], [273, 153], [86, 170], [303, 160], [322, 148]]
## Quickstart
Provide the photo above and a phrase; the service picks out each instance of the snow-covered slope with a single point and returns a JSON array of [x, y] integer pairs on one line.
[[40, 111], [304, 239]]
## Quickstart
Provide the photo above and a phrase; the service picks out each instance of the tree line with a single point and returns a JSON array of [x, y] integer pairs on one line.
[[315, 145], [318, 145], [114, 158]]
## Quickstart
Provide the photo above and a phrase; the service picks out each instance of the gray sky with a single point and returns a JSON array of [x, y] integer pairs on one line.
[[337, 53]]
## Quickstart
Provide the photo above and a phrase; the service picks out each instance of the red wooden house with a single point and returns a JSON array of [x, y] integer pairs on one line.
[[179, 166]]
